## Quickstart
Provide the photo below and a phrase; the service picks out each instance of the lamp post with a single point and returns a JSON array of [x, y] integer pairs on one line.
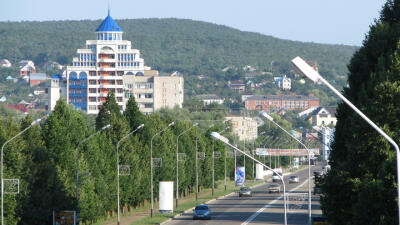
[[118, 208], [2, 170], [77, 163], [264, 114], [151, 167], [226, 128], [217, 136], [177, 164], [314, 76]]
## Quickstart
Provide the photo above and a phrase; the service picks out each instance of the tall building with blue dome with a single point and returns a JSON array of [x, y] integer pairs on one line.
[[100, 68]]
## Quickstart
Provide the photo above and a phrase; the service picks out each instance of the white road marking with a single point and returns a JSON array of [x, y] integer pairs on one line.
[[252, 217]]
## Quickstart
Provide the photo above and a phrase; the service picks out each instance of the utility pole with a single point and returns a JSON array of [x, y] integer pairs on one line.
[[213, 158], [197, 172]]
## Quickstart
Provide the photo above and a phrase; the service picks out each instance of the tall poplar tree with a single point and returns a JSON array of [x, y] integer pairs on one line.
[[361, 186]]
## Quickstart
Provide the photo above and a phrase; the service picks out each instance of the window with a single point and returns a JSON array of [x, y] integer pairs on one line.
[[110, 36]]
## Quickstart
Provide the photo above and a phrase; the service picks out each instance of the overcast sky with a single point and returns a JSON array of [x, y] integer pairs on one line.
[[333, 22]]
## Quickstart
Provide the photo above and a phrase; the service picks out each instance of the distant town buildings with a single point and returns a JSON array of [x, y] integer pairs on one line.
[[26, 68], [22, 106], [283, 83], [57, 89], [322, 116], [246, 95], [50, 65], [244, 127], [210, 98], [5, 63], [275, 102], [37, 78], [237, 86]]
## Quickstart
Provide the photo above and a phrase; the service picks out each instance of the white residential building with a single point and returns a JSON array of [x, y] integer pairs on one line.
[[210, 98], [5, 63], [56, 90], [283, 83], [244, 127], [154, 91]]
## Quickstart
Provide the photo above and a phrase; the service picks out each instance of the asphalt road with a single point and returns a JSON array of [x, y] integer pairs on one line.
[[262, 207]]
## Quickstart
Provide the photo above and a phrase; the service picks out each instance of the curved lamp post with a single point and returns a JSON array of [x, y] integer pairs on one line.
[[218, 136], [118, 211], [306, 70], [264, 114], [177, 164], [77, 163], [2, 174], [151, 166]]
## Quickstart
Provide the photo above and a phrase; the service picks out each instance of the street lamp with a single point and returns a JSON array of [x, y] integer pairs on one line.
[[118, 210], [151, 167], [226, 128], [218, 136], [177, 164], [77, 163], [314, 76], [2, 174], [264, 114]]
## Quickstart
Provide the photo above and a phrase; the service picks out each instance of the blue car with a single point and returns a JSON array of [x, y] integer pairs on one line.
[[202, 212]]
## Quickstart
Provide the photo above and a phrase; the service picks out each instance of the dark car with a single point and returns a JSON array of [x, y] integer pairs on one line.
[[245, 191], [201, 212]]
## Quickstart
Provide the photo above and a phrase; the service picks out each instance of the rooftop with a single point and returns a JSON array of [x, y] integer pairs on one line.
[[208, 96], [108, 24], [282, 97]]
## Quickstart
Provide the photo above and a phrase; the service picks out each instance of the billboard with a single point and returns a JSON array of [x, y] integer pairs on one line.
[[64, 218], [240, 176], [286, 152]]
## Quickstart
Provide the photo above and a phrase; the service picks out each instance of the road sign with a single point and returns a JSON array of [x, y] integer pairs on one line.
[[124, 170], [181, 157], [157, 162], [201, 155], [11, 186]]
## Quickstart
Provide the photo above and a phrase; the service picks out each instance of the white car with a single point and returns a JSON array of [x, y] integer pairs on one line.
[[294, 179]]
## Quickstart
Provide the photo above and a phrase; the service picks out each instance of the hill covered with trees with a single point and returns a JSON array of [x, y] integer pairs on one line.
[[191, 47]]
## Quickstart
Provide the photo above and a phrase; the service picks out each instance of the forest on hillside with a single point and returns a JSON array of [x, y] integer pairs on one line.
[[191, 47]]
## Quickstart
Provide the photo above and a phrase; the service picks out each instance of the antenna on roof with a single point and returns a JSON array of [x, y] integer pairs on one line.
[[108, 7]]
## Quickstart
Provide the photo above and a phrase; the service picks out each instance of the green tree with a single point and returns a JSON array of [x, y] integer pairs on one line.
[[361, 185]]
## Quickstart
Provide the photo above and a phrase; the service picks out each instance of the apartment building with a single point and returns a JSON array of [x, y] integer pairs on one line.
[[275, 102], [154, 91], [244, 127]]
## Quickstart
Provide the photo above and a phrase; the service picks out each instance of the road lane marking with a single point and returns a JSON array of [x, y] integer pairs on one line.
[[252, 217]]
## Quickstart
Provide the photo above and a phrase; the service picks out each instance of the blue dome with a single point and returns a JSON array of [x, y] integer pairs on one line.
[[108, 24], [56, 76]]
